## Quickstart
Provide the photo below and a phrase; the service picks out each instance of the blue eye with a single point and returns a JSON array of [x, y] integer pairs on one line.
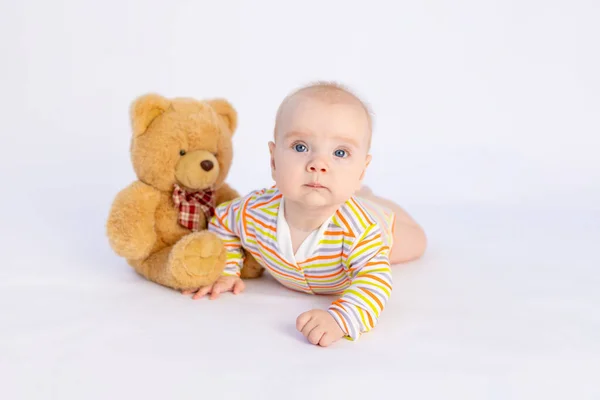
[[300, 147], [340, 153]]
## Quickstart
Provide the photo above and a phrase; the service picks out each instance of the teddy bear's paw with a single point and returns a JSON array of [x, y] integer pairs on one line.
[[198, 259]]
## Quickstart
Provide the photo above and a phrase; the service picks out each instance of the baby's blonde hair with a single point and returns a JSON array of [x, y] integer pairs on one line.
[[331, 91]]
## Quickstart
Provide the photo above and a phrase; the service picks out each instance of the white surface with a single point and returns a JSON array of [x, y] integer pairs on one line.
[[504, 306], [489, 111]]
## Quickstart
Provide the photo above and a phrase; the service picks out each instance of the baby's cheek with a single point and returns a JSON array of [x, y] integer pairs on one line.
[[349, 181]]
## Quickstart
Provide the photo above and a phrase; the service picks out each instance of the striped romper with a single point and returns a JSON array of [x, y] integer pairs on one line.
[[348, 255]]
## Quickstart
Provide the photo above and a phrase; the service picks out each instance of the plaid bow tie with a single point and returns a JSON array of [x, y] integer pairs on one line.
[[190, 205]]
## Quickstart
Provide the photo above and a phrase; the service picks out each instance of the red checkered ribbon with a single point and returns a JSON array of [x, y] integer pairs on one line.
[[191, 204]]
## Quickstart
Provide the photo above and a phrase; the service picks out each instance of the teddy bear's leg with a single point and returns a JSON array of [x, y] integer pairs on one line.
[[251, 268], [196, 260], [154, 268]]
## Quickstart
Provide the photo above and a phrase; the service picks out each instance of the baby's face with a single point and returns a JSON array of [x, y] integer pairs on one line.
[[320, 152]]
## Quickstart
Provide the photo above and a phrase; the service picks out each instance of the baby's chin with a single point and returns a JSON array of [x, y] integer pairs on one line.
[[319, 199]]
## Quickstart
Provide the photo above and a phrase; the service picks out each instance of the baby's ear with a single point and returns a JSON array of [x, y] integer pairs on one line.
[[272, 152], [368, 161], [145, 109], [226, 111]]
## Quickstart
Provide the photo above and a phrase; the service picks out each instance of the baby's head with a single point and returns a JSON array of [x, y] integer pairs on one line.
[[321, 145]]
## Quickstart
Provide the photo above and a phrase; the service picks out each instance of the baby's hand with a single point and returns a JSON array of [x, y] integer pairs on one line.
[[223, 284], [319, 327]]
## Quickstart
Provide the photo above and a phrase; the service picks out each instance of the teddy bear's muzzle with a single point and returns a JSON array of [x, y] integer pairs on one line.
[[197, 169]]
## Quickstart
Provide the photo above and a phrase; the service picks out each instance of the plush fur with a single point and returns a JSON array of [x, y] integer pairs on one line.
[[170, 138]]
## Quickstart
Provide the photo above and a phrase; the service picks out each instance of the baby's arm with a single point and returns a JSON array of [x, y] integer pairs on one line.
[[226, 225], [359, 307]]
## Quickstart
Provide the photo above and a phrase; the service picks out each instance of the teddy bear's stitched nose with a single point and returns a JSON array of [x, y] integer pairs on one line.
[[207, 165]]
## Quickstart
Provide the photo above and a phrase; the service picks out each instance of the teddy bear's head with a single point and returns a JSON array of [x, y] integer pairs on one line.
[[182, 141]]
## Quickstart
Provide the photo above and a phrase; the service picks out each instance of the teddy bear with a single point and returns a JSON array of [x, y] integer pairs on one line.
[[181, 150]]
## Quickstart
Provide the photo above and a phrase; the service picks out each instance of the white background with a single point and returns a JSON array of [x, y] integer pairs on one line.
[[487, 129], [493, 102]]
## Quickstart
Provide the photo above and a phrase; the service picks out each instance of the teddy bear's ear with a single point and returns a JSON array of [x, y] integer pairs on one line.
[[226, 111], [144, 109]]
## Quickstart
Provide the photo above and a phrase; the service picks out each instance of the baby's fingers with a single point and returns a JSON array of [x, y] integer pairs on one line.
[[220, 286], [302, 320], [326, 340], [315, 335], [202, 292], [238, 286]]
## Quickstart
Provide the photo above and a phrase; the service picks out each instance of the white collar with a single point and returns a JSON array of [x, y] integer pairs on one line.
[[284, 238]]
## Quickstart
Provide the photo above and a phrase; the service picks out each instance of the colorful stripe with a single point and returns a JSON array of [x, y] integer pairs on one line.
[[352, 259]]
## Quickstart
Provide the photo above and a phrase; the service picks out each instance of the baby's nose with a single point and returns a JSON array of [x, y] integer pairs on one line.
[[317, 165], [319, 168], [207, 165]]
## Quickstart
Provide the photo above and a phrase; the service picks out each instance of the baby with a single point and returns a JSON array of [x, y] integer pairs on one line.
[[316, 231]]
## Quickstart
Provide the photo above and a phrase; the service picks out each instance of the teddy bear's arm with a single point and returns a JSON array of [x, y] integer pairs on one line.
[[226, 193], [130, 225]]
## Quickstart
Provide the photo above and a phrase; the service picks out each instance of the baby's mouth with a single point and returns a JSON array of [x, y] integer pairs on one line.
[[315, 185]]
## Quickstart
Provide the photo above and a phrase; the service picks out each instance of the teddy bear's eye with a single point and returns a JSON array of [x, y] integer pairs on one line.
[[182, 152]]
